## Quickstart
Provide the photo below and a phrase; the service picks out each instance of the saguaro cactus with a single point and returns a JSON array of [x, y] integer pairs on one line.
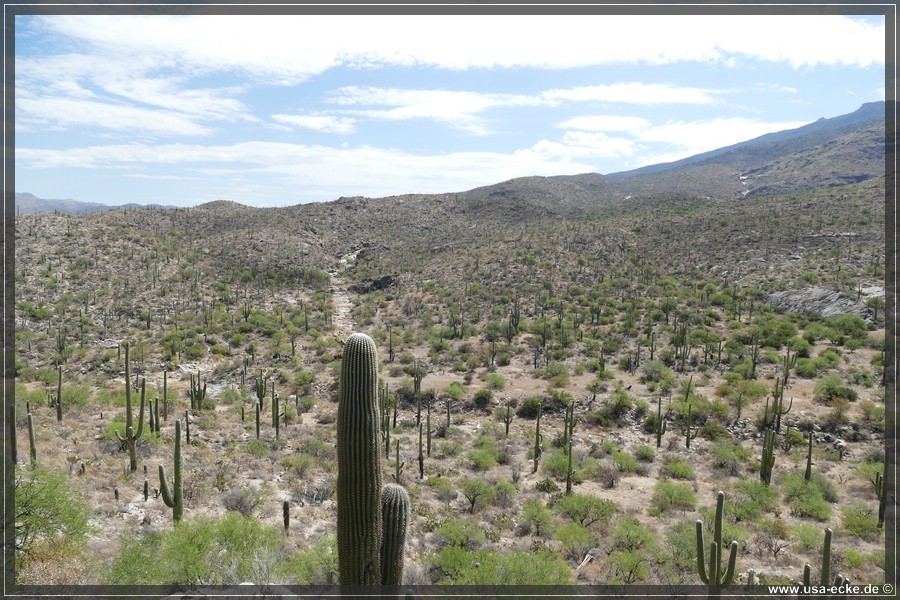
[[359, 520], [131, 436], [174, 501], [661, 423], [196, 393], [395, 518], [768, 457], [825, 572], [31, 446], [715, 577], [538, 440], [881, 494], [12, 433]]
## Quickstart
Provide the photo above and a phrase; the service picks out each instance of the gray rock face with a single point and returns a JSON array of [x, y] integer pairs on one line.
[[827, 303]]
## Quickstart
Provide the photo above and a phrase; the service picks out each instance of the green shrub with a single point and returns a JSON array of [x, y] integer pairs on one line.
[[547, 486], [861, 520], [677, 469], [668, 495], [222, 551], [488, 567], [47, 508], [529, 408], [644, 453], [752, 500], [460, 533], [625, 462], [536, 515], [585, 509], [576, 540]]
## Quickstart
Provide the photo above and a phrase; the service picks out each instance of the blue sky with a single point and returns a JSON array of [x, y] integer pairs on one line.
[[275, 111]]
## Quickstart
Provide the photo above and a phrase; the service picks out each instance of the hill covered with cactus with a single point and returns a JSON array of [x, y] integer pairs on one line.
[[568, 372]]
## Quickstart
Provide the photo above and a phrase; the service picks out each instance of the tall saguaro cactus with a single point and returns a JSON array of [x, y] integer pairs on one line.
[[131, 436], [372, 521], [175, 500], [768, 457], [359, 519], [715, 577]]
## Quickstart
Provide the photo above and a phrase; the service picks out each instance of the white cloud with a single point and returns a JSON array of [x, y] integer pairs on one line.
[[75, 111], [323, 123], [605, 123], [291, 48], [694, 137], [632, 93], [362, 170]]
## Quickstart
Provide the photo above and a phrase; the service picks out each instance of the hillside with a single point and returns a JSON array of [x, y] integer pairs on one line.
[[633, 300]]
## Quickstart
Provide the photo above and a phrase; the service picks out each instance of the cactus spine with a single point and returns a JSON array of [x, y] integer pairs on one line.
[[395, 517], [359, 519], [132, 436], [174, 501], [768, 457], [715, 577]]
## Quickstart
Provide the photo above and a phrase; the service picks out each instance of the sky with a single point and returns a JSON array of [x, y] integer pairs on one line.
[[288, 109]]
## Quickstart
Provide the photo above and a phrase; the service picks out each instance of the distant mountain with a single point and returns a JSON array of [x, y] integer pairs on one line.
[[777, 144], [27, 203], [826, 153]]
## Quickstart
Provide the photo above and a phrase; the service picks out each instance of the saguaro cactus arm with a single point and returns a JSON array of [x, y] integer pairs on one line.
[[395, 518]]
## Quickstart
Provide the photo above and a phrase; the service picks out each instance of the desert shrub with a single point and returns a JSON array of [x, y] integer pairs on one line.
[[861, 520], [832, 387], [677, 469], [585, 509], [482, 398], [644, 453], [316, 565], [547, 486], [808, 498], [495, 381], [529, 408], [478, 492], [808, 536], [47, 508], [656, 371], [752, 500], [242, 501], [576, 540], [556, 463], [729, 455], [504, 492], [668, 495], [222, 551], [625, 462], [536, 515], [488, 567], [460, 533]]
